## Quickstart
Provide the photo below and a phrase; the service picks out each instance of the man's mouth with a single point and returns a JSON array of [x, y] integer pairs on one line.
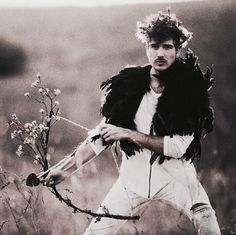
[[160, 61]]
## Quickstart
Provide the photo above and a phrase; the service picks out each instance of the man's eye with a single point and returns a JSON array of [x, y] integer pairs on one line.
[[154, 46], [168, 46]]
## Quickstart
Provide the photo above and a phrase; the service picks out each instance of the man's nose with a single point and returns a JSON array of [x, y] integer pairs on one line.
[[160, 53]]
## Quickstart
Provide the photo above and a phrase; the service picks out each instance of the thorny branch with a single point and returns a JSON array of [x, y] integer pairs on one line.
[[35, 139], [76, 209]]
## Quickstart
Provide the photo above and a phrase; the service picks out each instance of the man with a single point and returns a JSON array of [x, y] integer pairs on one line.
[[158, 114]]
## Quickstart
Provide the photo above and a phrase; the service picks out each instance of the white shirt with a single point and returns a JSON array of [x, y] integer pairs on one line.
[[135, 169]]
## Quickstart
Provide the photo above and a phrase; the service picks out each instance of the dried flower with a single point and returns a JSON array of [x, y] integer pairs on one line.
[[19, 132], [35, 83], [48, 119], [40, 127], [34, 123], [13, 116], [37, 157], [19, 151], [57, 91], [46, 91], [13, 135], [27, 140]]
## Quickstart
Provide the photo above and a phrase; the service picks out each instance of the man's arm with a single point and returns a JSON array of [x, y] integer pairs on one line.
[[83, 155], [153, 143], [174, 147]]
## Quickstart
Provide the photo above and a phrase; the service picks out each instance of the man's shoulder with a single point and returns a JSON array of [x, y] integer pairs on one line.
[[135, 69]]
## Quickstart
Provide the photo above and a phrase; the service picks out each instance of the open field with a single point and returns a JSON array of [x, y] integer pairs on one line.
[[75, 50]]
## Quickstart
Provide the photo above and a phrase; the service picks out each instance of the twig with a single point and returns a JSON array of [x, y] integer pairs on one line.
[[76, 209], [2, 224]]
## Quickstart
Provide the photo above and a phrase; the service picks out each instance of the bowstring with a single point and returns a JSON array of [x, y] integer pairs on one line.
[[114, 156]]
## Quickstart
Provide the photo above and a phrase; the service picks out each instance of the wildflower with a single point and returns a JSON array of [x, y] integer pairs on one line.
[[19, 151], [19, 132], [37, 157], [46, 91], [13, 135], [40, 90], [34, 123], [40, 127], [35, 83], [26, 94], [28, 127], [26, 140], [13, 116], [35, 161], [57, 91], [57, 103], [48, 119]]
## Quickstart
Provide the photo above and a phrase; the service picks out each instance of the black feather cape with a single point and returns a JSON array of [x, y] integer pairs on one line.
[[183, 108]]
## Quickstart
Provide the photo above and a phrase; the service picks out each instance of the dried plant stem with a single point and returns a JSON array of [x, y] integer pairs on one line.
[[89, 212], [7, 200]]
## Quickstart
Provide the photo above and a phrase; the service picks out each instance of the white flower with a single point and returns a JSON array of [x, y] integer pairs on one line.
[[28, 126], [40, 90], [41, 127], [19, 132], [35, 161], [20, 148], [26, 94], [13, 116], [37, 157], [34, 123], [41, 111], [26, 140], [13, 135], [19, 151], [35, 83], [48, 119], [46, 91], [57, 91], [57, 103]]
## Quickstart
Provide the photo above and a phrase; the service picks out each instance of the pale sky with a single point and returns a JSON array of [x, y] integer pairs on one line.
[[78, 3]]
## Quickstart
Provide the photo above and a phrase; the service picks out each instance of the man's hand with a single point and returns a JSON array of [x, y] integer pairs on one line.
[[54, 177], [113, 133]]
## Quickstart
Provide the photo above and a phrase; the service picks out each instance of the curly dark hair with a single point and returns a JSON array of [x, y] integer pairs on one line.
[[162, 26]]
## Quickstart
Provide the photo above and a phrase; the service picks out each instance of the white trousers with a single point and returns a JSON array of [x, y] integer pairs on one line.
[[192, 201]]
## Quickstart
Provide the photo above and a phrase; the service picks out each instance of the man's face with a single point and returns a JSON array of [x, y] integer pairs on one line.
[[161, 55]]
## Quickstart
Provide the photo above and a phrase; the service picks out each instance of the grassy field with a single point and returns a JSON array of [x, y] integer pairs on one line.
[[75, 50]]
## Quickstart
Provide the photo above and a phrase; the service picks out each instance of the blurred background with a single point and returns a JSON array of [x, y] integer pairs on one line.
[[75, 49]]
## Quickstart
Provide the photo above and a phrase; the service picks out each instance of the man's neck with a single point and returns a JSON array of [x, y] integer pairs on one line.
[[155, 83]]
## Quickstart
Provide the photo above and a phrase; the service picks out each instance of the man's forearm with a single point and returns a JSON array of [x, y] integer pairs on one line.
[[153, 143], [83, 154]]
